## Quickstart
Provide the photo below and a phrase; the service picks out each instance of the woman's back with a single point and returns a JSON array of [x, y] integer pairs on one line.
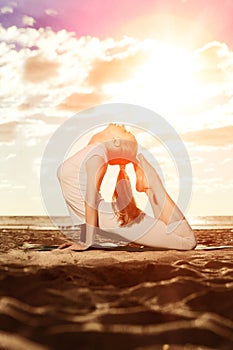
[[72, 176]]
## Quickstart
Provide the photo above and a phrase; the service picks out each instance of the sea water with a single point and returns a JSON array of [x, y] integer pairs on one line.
[[44, 222]]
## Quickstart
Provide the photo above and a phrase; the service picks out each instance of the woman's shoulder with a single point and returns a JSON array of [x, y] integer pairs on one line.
[[87, 152]]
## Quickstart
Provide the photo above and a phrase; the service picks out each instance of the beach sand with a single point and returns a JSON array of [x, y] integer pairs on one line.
[[115, 299]]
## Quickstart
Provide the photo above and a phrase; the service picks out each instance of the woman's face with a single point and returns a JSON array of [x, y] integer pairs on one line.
[[118, 161], [121, 151]]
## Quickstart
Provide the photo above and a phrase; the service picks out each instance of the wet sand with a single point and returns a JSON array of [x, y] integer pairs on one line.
[[128, 298]]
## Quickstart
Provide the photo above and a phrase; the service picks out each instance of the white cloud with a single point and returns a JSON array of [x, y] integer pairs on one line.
[[51, 12], [197, 160], [6, 9], [19, 187], [5, 185], [215, 69], [44, 71], [59, 66], [47, 77], [227, 160], [29, 21], [212, 184], [9, 156]]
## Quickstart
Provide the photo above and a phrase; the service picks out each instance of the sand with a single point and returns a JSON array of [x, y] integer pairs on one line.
[[115, 299]]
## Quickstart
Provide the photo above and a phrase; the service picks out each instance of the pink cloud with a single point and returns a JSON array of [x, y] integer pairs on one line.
[[115, 70], [210, 137], [8, 131], [79, 101], [37, 69]]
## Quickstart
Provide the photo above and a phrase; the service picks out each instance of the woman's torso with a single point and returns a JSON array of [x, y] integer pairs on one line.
[[72, 176]]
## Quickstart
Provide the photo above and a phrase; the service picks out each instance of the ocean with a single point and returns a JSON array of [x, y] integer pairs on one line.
[[44, 222]]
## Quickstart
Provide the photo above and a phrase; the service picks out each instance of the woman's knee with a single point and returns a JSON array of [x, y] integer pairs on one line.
[[189, 243], [185, 232]]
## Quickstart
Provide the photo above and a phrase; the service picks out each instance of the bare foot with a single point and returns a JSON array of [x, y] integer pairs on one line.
[[146, 175], [149, 171], [141, 179]]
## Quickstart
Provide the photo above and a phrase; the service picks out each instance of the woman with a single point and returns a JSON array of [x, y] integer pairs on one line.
[[81, 176]]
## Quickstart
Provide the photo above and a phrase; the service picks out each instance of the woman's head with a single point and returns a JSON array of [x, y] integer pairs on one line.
[[121, 145]]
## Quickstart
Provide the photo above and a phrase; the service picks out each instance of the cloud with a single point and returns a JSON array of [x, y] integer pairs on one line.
[[28, 21], [5, 186], [10, 155], [212, 53], [47, 119], [58, 64], [69, 74], [51, 12], [212, 184], [38, 69], [207, 104], [77, 101], [227, 161], [34, 132], [210, 137], [6, 9], [115, 70], [8, 131], [47, 76], [215, 63], [31, 102]]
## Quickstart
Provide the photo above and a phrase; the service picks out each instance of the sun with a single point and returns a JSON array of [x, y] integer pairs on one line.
[[167, 78], [165, 82]]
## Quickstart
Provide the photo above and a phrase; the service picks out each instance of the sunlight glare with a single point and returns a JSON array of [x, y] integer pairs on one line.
[[166, 83], [167, 76]]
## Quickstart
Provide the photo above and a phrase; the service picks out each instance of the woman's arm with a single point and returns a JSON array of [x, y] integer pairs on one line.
[[96, 169]]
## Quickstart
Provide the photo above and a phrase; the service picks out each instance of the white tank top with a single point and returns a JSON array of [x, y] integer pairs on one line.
[[72, 176]]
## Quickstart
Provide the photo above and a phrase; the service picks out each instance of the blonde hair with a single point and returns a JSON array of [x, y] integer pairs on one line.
[[124, 204]]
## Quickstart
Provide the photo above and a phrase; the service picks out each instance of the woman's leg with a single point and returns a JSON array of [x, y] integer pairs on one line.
[[163, 206], [181, 236], [149, 231], [177, 232]]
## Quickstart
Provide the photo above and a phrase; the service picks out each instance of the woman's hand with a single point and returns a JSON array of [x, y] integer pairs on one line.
[[74, 246]]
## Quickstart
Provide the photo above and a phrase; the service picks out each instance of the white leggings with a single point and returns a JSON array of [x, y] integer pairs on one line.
[[149, 231], [182, 236]]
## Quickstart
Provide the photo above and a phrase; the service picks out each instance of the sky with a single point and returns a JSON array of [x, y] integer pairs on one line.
[[174, 57]]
